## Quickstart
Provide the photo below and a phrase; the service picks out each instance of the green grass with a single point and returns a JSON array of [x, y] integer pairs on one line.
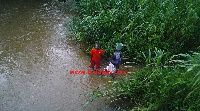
[[160, 87], [170, 25], [170, 80]]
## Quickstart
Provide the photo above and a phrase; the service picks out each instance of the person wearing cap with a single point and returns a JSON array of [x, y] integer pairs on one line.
[[118, 53]]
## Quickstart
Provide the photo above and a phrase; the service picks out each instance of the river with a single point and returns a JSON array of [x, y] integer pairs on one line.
[[35, 60]]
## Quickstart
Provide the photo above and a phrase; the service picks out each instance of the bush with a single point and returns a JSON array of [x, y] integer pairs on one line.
[[161, 87], [170, 25]]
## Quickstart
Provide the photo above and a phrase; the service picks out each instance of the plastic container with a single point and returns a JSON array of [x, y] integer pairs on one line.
[[119, 46]]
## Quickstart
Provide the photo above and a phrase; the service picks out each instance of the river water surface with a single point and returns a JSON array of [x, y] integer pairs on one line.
[[35, 60]]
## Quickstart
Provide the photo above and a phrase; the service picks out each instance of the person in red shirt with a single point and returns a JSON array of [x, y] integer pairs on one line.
[[96, 54]]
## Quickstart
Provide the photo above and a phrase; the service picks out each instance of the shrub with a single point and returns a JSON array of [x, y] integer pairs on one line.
[[161, 88], [170, 25]]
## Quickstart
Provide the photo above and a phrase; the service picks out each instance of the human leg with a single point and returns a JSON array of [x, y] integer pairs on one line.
[[92, 63]]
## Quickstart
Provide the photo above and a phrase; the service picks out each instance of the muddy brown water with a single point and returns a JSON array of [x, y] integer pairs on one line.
[[36, 58]]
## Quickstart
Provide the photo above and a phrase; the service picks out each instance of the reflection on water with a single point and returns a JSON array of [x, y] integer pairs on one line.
[[35, 60]]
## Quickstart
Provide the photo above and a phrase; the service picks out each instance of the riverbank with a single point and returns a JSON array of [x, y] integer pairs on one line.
[[36, 60], [164, 37]]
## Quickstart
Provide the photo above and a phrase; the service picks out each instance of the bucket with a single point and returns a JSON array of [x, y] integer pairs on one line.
[[119, 46]]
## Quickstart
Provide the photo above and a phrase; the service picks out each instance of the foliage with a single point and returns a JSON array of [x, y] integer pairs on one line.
[[170, 25], [161, 87]]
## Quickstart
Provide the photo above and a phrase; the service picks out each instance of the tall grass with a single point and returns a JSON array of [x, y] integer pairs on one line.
[[165, 87], [170, 25]]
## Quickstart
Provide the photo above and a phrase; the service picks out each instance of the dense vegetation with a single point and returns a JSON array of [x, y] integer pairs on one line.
[[155, 31], [163, 87], [170, 25]]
